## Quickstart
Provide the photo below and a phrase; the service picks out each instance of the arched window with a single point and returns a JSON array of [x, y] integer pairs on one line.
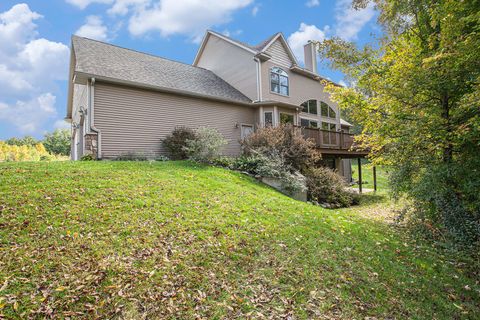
[[310, 106], [279, 81], [327, 111]]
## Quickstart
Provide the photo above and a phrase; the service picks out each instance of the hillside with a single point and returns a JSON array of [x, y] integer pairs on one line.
[[178, 240]]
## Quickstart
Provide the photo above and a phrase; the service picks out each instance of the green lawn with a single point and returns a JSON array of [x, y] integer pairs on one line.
[[182, 241]]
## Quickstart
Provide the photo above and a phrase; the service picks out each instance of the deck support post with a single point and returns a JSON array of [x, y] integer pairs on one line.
[[374, 178], [359, 161]]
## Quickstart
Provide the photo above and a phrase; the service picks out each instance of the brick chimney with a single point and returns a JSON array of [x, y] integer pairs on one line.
[[310, 51]]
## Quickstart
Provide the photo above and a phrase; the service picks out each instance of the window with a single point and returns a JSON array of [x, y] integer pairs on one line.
[[308, 123], [268, 118], [327, 111], [329, 126], [279, 81], [286, 118], [310, 106]]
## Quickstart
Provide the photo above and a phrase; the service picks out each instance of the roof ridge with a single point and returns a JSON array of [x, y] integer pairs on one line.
[[137, 51]]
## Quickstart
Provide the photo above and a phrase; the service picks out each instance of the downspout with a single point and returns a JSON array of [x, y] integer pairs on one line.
[[91, 104], [259, 79]]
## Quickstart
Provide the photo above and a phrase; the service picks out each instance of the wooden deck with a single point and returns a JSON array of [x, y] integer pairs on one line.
[[337, 143]]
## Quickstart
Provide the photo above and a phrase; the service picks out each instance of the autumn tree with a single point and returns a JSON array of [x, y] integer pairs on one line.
[[416, 93]]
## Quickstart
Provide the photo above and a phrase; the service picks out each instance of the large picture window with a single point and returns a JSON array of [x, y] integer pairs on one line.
[[327, 111], [310, 106], [279, 81]]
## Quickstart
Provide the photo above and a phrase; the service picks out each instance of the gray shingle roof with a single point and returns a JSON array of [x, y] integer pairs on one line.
[[257, 48], [102, 59]]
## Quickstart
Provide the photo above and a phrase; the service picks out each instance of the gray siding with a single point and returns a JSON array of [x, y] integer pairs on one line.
[[136, 120], [231, 63], [279, 54], [80, 98], [301, 88]]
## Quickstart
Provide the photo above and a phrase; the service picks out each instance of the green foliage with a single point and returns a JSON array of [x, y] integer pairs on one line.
[[25, 141], [58, 142], [87, 157], [283, 141], [94, 236], [206, 146], [24, 152], [325, 186], [132, 156], [416, 94], [177, 141]]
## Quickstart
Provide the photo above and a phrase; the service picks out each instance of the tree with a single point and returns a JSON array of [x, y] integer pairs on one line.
[[25, 141], [58, 142], [416, 94]]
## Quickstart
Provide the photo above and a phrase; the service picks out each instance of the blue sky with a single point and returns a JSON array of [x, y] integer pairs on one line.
[[35, 40]]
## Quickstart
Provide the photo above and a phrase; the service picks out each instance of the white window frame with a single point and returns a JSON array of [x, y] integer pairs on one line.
[[279, 85]]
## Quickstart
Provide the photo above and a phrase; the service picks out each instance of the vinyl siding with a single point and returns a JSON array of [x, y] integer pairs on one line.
[[301, 89], [136, 120], [234, 65], [279, 54]]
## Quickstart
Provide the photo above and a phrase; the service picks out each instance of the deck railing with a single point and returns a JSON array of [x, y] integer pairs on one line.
[[326, 139]]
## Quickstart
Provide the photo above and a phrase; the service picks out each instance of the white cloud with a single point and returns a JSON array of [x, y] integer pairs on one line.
[[29, 67], [121, 7], [188, 17], [82, 4], [255, 10], [28, 116], [61, 124], [305, 33], [93, 29], [349, 22], [312, 3]]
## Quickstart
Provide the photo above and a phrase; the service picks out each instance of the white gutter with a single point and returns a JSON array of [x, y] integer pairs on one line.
[[259, 79]]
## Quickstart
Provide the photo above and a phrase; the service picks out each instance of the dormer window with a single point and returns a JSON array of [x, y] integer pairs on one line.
[[327, 111], [279, 81]]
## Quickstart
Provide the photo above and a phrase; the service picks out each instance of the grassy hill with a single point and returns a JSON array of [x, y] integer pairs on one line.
[[178, 240]]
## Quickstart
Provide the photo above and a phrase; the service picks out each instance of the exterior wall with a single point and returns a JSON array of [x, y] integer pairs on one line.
[[279, 54], [91, 144], [136, 120], [231, 63], [80, 98], [301, 89]]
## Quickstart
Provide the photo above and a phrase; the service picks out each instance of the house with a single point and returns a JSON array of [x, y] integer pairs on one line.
[[121, 100]]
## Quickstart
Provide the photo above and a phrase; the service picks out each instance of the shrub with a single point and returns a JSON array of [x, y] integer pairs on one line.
[[177, 141], [58, 142], [87, 157], [285, 141], [326, 186], [271, 166], [205, 146], [226, 162]]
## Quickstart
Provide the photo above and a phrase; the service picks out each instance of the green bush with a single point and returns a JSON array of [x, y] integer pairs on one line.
[[222, 161], [177, 141], [87, 157], [206, 145], [325, 186]]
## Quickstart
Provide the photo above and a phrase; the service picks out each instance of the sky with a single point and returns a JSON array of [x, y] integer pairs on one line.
[[35, 41]]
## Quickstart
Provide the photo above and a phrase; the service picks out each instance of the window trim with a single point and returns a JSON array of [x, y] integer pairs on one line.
[[279, 85], [308, 107]]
